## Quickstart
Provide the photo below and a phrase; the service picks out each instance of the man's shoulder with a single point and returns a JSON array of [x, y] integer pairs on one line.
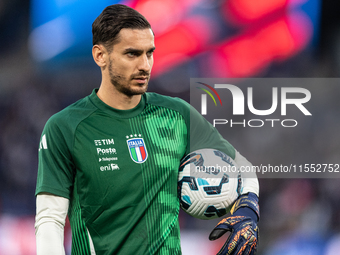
[[173, 103], [73, 114]]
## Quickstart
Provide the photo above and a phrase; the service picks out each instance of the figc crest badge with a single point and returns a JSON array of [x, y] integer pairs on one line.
[[137, 148]]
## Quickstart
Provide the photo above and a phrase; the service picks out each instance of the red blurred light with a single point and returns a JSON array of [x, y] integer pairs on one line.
[[179, 38], [165, 13], [244, 11], [249, 53], [181, 42]]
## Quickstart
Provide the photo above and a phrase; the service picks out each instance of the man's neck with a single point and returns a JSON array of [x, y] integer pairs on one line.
[[116, 99]]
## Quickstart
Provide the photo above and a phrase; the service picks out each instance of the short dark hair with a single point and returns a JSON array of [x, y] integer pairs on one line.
[[107, 25]]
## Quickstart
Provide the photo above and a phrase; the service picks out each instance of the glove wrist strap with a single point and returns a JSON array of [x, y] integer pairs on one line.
[[249, 200]]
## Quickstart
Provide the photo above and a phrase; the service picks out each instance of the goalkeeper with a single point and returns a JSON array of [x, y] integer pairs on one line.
[[110, 161]]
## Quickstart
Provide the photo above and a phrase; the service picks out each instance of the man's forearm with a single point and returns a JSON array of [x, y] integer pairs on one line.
[[49, 224]]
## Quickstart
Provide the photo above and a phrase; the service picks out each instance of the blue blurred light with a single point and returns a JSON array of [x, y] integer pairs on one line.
[[62, 28]]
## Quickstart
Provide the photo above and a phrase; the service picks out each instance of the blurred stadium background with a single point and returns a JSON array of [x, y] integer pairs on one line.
[[46, 64]]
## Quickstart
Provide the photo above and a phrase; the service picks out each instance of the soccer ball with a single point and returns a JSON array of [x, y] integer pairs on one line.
[[209, 182]]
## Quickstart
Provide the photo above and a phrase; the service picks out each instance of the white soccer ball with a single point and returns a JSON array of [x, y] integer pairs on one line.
[[209, 182]]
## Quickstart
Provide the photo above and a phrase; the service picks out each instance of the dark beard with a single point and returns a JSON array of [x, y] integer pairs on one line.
[[116, 81]]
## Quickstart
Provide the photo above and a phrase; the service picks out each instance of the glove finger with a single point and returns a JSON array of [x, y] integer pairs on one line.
[[248, 247], [217, 233], [243, 249], [231, 245], [241, 245], [249, 250], [253, 248], [251, 241], [221, 228], [246, 251]]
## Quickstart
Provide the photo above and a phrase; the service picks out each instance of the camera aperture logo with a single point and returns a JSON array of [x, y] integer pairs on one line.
[[204, 97], [239, 99]]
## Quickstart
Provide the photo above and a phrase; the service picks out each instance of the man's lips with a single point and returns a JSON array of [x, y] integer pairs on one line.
[[141, 78]]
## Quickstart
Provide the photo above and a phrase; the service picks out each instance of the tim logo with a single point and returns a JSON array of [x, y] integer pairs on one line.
[[137, 149], [204, 97]]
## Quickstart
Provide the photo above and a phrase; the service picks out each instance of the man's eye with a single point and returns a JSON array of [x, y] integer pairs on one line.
[[131, 54]]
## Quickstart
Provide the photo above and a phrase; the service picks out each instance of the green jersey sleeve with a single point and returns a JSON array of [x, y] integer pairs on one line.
[[204, 135], [55, 167]]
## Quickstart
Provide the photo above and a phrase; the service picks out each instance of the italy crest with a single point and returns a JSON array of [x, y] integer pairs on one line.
[[137, 149]]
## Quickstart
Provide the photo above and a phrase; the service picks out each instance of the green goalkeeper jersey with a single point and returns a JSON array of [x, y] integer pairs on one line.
[[119, 170]]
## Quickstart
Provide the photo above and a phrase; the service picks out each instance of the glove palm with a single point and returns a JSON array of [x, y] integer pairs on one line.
[[243, 227], [243, 238]]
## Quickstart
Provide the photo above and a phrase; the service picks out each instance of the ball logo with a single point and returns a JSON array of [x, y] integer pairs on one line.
[[137, 149]]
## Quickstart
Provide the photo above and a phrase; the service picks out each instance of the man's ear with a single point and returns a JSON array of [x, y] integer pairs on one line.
[[100, 55]]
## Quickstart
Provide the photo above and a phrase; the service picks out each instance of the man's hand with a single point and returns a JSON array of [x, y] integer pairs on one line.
[[243, 227], [243, 238]]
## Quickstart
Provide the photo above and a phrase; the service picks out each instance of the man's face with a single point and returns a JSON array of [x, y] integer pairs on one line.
[[131, 60]]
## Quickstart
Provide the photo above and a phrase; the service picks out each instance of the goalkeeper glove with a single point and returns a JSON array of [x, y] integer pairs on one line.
[[243, 226]]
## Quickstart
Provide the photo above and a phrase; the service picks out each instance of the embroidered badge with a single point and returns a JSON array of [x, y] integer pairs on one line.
[[137, 149]]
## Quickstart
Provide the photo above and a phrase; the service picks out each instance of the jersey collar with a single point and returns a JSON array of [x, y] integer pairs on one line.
[[115, 112]]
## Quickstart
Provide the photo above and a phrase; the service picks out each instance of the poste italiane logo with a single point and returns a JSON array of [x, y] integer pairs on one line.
[[137, 149]]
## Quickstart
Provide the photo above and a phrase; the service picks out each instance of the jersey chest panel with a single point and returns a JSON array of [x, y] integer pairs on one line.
[[104, 169], [112, 182]]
